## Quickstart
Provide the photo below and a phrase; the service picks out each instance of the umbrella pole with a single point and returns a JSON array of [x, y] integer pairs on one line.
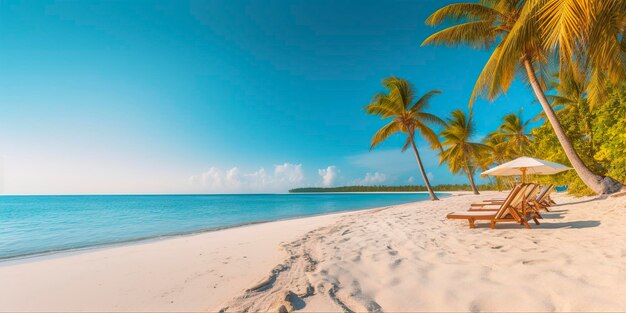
[[523, 169]]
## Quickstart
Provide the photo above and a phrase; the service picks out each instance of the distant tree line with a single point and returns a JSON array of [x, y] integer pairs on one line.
[[443, 187]]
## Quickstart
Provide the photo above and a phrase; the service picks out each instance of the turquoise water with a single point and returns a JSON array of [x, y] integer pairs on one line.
[[39, 224]]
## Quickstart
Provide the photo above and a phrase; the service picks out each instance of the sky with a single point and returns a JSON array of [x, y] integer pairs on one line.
[[141, 97]]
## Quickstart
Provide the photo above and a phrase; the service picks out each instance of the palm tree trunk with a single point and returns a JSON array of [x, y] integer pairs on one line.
[[470, 175], [433, 197], [597, 183]]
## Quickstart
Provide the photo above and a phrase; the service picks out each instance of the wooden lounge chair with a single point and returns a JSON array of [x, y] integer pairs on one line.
[[548, 200], [494, 205], [506, 213], [542, 201], [500, 200], [530, 210]]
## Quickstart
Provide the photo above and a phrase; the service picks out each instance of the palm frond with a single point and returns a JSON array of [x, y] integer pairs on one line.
[[424, 101], [479, 35], [407, 143], [400, 91], [429, 118], [606, 53], [384, 133], [428, 134], [381, 106], [463, 11], [486, 78], [596, 88], [563, 26]]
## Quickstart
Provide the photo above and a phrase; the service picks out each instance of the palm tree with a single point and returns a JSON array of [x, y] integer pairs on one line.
[[459, 152], [527, 34], [499, 151], [408, 117], [513, 131]]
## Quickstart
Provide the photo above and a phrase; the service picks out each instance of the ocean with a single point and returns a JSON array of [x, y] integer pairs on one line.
[[31, 225]]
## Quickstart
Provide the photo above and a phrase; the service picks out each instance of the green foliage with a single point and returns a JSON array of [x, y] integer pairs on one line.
[[444, 187], [607, 138], [610, 133]]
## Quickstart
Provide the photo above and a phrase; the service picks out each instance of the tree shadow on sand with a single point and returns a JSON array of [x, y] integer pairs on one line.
[[577, 202], [572, 224]]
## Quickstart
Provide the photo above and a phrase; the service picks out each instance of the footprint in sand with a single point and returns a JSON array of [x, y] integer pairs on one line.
[[534, 261], [391, 251], [396, 263]]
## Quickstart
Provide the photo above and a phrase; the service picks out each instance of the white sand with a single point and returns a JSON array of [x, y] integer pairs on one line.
[[406, 258]]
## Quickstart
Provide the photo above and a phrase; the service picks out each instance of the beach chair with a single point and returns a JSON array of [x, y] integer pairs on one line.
[[541, 202], [507, 211], [529, 189], [527, 194], [500, 200], [548, 199], [494, 204]]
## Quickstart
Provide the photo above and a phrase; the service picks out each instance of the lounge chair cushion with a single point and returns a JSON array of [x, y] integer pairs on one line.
[[471, 214]]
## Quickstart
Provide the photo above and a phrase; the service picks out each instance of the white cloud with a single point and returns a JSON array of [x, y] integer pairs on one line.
[[289, 172], [284, 177], [410, 180], [371, 179], [329, 175], [430, 175]]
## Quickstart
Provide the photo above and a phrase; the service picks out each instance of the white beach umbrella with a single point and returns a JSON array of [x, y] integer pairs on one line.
[[526, 165]]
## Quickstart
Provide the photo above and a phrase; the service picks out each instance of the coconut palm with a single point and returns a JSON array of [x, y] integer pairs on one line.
[[498, 150], [513, 131], [460, 154], [407, 116], [527, 34]]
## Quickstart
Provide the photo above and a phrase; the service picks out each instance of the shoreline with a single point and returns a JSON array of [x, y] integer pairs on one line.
[[75, 250], [188, 273], [203, 194], [37, 256]]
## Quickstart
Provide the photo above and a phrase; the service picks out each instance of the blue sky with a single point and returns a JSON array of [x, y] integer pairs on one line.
[[218, 96]]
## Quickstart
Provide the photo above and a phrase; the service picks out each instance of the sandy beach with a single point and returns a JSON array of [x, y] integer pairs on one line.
[[401, 258], [288, 156]]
